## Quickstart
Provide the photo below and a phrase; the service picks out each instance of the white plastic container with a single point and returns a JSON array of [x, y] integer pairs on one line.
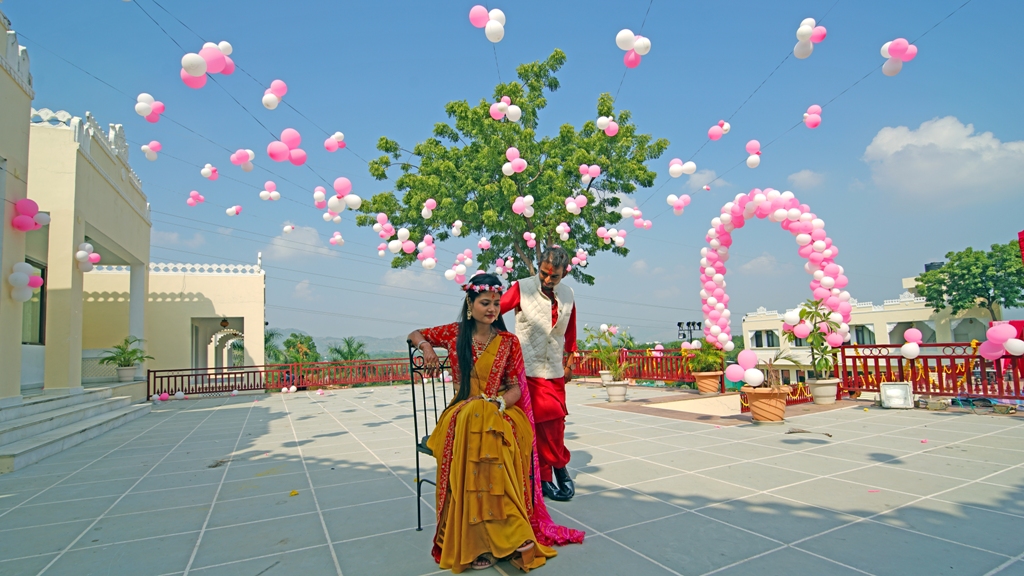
[[897, 395]]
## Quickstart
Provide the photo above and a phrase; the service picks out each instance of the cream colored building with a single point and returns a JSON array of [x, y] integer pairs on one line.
[[869, 324], [16, 96]]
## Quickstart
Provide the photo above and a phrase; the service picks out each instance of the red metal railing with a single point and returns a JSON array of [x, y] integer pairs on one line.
[[953, 369], [670, 365], [347, 373]]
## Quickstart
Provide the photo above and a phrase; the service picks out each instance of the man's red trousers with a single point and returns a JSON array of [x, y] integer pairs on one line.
[[548, 399]]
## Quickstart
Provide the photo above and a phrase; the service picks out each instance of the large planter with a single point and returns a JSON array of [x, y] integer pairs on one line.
[[125, 373], [616, 391], [708, 382], [606, 377], [766, 403], [823, 391]]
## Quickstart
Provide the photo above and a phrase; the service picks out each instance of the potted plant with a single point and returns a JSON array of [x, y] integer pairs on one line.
[[125, 357], [767, 397], [821, 329], [606, 350], [706, 366]]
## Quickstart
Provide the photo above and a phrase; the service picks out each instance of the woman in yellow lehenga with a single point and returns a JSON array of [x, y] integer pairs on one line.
[[488, 507]]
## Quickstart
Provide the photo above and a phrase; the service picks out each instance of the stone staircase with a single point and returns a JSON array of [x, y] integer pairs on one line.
[[46, 425]]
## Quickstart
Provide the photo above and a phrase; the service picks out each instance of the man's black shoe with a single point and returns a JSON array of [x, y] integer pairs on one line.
[[568, 489], [549, 489]]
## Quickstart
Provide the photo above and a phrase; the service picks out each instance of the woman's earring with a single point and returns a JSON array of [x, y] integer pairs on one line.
[[469, 309]]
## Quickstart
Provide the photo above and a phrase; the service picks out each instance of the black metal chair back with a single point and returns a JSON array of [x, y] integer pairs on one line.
[[429, 399]]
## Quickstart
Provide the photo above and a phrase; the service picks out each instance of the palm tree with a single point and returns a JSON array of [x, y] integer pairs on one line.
[[237, 352], [272, 352], [350, 349]]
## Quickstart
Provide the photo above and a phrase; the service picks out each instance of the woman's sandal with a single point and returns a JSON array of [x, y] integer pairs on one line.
[[526, 546], [484, 561]]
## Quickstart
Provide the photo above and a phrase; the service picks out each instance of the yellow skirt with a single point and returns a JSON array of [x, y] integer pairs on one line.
[[485, 505]]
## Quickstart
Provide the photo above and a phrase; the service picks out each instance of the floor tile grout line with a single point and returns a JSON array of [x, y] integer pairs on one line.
[[86, 466], [304, 549], [111, 507], [312, 490], [1005, 565], [216, 494], [622, 544]]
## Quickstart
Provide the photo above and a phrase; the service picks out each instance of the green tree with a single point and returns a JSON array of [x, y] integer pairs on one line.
[[460, 167], [350, 349], [975, 278], [237, 352], [272, 352], [300, 348]]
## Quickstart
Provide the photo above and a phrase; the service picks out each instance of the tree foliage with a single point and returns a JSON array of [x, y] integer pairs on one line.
[[350, 349], [300, 348], [460, 167], [975, 278], [272, 352]]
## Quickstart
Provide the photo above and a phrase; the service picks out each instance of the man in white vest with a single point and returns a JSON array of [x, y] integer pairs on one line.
[[546, 327]]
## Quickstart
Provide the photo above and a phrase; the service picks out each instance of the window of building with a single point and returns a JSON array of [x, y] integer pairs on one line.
[[764, 339], [799, 343], [863, 334], [33, 316]]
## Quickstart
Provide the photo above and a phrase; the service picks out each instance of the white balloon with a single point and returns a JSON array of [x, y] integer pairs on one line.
[[206, 172], [625, 39], [193, 64], [85, 266], [468, 261], [456, 231], [497, 16], [143, 109], [1014, 346], [494, 31], [885, 50], [780, 214], [275, 195], [729, 346], [270, 101], [675, 170], [689, 167], [151, 156], [335, 204], [225, 48], [753, 161], [18, 279], [264, 195], [803, 49], [808, 22], [828, 282], [627, 212], [353, 201], [395, 246], [210, 45], [726, 127], [450, 274], [23, 267], [403, 234], [426, 213], [671, 199], [528, 200], [528, 212], [603, 122], [502, 107], [803, 33], [506, 169], [429, 263], [82, 256], [642, 46], [252, 155], [339, 136], [327, 217], [892, 66], [288, 229], [144, 97], [910, 350], [86, 246], [230, 211], [792, 317], [460, 270], [753, 376], [247, 166], [619, 241], [514, 113], [21, 294], [585, 179]]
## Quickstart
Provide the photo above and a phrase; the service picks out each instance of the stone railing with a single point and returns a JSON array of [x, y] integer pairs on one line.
[[192, 269]]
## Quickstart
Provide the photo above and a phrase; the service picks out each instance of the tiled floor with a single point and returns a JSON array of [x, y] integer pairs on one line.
[[206, 487]]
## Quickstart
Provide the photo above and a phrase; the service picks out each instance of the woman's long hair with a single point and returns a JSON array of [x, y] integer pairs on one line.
[[464, 343]]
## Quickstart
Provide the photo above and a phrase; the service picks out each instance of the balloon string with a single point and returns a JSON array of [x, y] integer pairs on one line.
[[642, 24], [495, 48]]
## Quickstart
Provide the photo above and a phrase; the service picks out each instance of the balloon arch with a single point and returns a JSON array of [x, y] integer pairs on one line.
[[814, 245]]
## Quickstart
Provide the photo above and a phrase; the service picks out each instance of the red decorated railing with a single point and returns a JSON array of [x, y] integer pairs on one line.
[[350, 372], [664, 365], [953, 369]]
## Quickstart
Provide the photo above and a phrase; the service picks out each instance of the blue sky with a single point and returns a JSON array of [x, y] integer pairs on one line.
[[893, 199]]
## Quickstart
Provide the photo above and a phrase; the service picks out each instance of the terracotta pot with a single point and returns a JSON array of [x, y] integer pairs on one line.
[[823, 391], [616, 391], [767, 404], [708, 382]]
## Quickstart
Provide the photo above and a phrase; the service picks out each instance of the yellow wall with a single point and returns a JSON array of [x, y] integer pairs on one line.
[[15, 106], [175, 298]]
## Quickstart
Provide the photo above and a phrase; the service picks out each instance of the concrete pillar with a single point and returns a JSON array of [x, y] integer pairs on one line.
[[138, 293], [12, 251], [64, 304], [881, 333]]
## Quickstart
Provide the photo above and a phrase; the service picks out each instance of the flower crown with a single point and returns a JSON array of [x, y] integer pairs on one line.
[[478, 288]]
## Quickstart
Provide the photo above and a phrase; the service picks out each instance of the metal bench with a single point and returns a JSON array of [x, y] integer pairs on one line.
[[426, 383]]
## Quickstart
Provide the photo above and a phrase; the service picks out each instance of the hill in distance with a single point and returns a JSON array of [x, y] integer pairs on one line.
[[394, 345]]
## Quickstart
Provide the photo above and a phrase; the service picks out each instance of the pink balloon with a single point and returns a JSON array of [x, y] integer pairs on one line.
[[158, 107], [269, 186], [912, 335], [909, 54], [812, 120], [512, 154], [594, 171], [715, 132], [408, 247], [215, 61], [153, 118], [155, 146], [495, 112], [35, 281], [834, 339], [612, 129], [581, 201], [818, 34], [506, 100], [297, 156], [747, 359], [278, 88], [1000, 333], [814, 109], [164, 397], [291, 138], [478, 16], [519, 165], [821, 293], [94, 258], [278, 151], [753, 147], [229, 66], [898, 47], [27, 207], [430, 204], [632, 59], [23, 223], [460, 278], [194, 82], [802, 330], [193, 194], [734, 372], [519, 206], [833, 303], [331, 145], [990, 350]]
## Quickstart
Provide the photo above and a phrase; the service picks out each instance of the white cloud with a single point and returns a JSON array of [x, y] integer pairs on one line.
[[805, 179], [763, 265], [942, 159], [700, 178], [302, 242], [638, 267], [171, 239], [303, 291], [427, 281]]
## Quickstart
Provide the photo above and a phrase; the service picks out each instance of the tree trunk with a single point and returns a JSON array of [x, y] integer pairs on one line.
[[991, 312]]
